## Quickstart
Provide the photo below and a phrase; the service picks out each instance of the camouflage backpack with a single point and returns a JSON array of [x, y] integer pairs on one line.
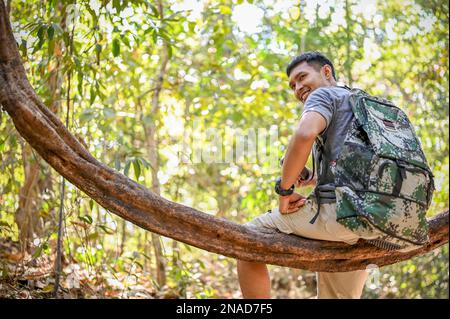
[[383, 183]]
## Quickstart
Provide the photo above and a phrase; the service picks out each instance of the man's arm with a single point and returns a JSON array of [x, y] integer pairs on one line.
[[311, 124]]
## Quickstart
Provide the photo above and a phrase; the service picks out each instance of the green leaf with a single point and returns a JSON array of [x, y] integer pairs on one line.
[[87, 115], [126, 41], [23, 47], [4, 224], [117, 164], [66, 38], [5, 273], [51, 47], [191, 25], [57, 28], [80, 82], [37, 252], [93, 236], [172, 17], [98, 48], [93, 94], [48, 288], [50, 32], [225, 10], [139, 264], [106, 229], [137, 168], [145, 162], [40, 32], [127, 168], [154, 36], [109, 112], [38, 45], [169, 51], [86, 218], [40, 249], [77, 63], [163, 34], [117, 5], [115, 47], [154, 10]]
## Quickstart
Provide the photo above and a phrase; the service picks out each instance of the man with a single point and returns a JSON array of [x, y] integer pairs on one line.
[[326, 117]]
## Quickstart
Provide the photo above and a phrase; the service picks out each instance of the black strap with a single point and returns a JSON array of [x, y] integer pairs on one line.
[[400, 178], [316, 193], [316, 189]]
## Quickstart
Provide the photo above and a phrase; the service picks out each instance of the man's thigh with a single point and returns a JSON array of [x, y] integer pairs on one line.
[[298, 223]]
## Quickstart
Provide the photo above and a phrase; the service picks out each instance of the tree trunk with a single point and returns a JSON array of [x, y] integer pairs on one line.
[[27, 215], [123, 237], [152, 148], [147, 262], [151, 133], [133, 202]]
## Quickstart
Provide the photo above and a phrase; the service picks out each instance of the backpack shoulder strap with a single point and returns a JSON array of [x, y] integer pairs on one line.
[[345, 86]]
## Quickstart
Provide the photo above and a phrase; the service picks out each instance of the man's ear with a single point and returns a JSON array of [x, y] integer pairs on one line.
[[327, 71]]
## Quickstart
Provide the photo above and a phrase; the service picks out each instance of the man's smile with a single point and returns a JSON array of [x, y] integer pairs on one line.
[[303, 95]]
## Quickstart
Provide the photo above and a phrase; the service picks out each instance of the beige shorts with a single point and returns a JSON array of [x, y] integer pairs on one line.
[[325, 227], [348, 285]]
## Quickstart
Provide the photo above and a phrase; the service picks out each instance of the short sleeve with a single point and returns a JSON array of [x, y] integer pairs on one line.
[[322, 102]]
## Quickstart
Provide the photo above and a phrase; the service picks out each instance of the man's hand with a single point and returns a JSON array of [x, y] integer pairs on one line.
[[290, 204]]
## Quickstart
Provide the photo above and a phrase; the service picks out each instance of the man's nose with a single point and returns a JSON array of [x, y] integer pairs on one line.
[[298, 87]]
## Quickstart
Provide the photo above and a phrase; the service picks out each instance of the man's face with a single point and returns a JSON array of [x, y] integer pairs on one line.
[[304, 79]]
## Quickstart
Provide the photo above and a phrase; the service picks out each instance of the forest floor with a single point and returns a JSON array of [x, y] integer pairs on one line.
[[25, 277]]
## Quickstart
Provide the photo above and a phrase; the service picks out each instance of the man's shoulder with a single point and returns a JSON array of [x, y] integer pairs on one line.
[[330, 93]]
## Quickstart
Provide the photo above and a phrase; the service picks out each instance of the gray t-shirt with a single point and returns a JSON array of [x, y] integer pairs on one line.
[[333, 104]]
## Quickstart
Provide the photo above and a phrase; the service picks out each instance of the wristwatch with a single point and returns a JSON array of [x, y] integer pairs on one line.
[[283, 192]]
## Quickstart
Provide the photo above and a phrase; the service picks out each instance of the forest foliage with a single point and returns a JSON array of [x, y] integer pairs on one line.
[[142, 83]]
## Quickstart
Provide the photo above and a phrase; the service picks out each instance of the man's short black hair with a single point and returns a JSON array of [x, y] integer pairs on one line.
[[313, 58]]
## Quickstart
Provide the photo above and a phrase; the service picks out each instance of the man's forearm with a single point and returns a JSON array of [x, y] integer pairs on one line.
[[295, 159]]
